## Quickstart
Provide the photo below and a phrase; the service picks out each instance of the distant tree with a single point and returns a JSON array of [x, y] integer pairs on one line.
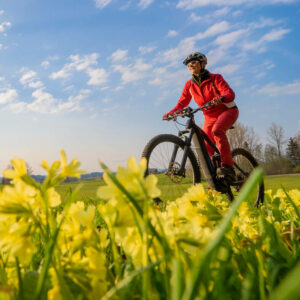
[[29, 169], [244, 137], [270, 153], [297, 138], [293, 151], [276, 137]]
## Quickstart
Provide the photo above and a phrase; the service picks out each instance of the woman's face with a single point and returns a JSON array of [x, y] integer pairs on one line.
[[194, 67]]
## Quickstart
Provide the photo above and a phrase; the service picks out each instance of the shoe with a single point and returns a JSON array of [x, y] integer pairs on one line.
[[226, 172]]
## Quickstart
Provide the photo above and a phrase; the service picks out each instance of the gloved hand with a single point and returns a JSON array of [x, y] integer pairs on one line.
[[218, 101], [165, 116]]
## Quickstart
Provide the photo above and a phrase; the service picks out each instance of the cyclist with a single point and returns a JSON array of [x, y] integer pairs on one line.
[[204, 87]]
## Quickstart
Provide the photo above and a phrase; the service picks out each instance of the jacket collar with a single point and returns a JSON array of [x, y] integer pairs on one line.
[[202, 78]]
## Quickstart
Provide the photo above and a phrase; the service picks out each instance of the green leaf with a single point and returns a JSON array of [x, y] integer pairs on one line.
[[177, 280], [289, 288], [30, 280], [125, 282], [292, 202]]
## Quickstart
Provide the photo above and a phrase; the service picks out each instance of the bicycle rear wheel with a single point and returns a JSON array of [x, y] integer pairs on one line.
[[161, 161], [244, 163]]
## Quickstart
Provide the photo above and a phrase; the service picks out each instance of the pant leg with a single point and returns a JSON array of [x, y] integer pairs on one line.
[[207, 128], [224, 121]]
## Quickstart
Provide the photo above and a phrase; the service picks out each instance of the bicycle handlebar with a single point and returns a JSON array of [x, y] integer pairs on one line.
[[188, 111]]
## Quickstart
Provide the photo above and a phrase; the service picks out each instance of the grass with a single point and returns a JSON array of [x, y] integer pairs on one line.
[[89, 187], [287, 181]]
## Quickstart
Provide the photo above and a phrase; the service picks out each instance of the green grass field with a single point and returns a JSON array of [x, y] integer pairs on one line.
[[89, 188]]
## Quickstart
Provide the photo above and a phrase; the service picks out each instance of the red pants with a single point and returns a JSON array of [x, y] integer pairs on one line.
[[216, 129]]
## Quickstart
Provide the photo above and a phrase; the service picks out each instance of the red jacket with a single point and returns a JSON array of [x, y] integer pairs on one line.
[[213, 88]]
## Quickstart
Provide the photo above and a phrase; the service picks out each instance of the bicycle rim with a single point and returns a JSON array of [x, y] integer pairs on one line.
[[244, 164], [159, 154]]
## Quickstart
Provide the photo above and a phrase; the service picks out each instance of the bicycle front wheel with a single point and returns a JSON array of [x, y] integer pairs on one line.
[[244, 163], [164, 154]]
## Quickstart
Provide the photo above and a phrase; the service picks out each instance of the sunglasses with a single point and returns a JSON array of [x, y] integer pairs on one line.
[[192, 63]]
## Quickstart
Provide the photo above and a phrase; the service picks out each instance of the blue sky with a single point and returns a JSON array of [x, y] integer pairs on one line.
[[94, 77]]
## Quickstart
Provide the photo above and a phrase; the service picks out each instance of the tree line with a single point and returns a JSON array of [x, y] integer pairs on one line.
[[279, 155]]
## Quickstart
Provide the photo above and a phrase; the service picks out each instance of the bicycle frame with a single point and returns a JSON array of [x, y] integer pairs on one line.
[[199, 137]]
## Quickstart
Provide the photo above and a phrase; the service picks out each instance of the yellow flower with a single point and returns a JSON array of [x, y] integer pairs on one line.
[[71, 169], [54, 292], [19, 169], [295, 196], [53, 169], [53, 197]]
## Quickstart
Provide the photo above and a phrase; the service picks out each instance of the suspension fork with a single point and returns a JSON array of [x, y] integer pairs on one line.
[[186, 148]]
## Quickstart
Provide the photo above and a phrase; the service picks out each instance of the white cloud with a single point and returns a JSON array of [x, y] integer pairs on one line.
[[8, 95], [97, 76], [81, 64], [73, 103], [45, 64], [69, 88], [228, 69], [120, 87], [77, 63], [229, 39], [272, 89], [275, 35], [30, 79], [264, 22], [187, 45], [108, 109], [102, 3], [1, 12], [4, 26], [172, 33], [191, 4], [259, 45], [169, 80], [126, 5], [146, 49], [119, 55], [221, 12], [143, 4], [46, 103], [134, 72], [106, 100], [194, 18], [214, 30]]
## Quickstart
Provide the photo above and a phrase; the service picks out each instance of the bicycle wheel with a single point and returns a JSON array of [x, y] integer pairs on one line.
[[244, 163], [161, 160]]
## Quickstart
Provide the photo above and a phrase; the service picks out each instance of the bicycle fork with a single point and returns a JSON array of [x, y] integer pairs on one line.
[[181, 170]]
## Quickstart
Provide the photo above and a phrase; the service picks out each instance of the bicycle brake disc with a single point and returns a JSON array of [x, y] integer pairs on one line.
[[173, 172]]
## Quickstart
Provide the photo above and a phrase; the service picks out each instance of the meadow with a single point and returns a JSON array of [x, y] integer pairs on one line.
[[106, 239], [89, 187]]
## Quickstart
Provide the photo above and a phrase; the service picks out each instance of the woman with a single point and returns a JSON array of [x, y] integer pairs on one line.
[[204, 87]]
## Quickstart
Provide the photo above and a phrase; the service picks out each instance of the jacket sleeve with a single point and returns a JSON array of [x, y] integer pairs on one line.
[[224, 88], [185, 98]]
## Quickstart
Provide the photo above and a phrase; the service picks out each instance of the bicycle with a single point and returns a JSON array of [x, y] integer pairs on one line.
[[177, 166]]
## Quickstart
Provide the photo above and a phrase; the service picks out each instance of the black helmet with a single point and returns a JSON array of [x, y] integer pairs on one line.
[[195, 56]]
